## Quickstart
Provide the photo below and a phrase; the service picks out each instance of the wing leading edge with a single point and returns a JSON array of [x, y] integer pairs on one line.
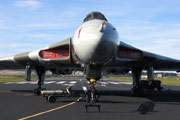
[[132, 56], [54, 55]]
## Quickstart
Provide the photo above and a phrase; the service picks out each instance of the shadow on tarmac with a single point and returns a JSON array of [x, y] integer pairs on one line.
[[22, 91], [164, 96]]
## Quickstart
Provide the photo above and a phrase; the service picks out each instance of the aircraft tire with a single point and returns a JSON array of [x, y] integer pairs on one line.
[[137, 91], [87, 98], [37, 91], [52, 99]]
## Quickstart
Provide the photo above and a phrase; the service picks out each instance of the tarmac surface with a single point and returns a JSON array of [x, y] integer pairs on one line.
[[18, 102]]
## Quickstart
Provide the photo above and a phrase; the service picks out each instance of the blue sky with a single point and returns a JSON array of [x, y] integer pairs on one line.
[[152, 25]]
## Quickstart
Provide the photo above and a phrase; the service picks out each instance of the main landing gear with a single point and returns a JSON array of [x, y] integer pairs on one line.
[[147, 87], [40, 71], [92, 96], [141, 86]]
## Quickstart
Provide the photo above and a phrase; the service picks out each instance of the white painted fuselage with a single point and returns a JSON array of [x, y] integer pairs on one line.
[[95, 42]]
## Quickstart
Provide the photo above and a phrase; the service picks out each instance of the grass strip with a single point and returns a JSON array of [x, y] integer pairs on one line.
[[165, 81]]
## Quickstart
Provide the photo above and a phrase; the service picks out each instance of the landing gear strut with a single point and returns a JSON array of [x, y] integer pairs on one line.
[[92, 96], [137, 88], [40, 71]]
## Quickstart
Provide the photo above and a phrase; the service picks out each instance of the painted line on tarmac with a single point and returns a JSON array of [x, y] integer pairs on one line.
[[68, 84], [127, 83], [9, 83], [21, 82], [73, 82], [49, 82], [104, 83], [51, 110], [33, 82], [118, 83], [84, 89], [60, 82], [101, 85]]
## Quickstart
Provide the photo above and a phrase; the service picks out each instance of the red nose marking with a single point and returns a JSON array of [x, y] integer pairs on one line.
[[104, 24], [79, 32]]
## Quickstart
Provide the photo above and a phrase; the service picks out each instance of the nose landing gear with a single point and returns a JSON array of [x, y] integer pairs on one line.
[[92, 96]]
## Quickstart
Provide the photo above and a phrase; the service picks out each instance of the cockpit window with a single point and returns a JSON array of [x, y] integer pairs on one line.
[[94, 15], [89, 16], [101, 16]]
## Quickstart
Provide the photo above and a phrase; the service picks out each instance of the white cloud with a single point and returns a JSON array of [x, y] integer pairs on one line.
[[32, 4]]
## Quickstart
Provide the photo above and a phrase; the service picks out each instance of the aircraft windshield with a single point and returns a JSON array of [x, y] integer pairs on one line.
[[94, 15]]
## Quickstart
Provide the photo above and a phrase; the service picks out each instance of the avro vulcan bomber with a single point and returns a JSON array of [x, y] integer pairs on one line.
[[94, 48]]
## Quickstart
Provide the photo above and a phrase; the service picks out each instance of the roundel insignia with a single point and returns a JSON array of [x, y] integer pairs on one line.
[[61, 54]]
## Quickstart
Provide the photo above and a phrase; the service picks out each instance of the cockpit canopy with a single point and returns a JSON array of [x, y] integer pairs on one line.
[[94, 15]]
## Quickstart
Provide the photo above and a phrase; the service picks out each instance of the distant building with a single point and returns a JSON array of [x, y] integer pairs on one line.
[[159, 75], [144, 76], [178, 75], [78, 73]]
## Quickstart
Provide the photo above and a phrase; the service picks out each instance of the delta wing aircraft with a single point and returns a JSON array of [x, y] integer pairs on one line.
[[95, 48]]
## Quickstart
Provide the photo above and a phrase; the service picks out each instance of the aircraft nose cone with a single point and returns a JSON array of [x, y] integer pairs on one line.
[[94, 45], [102, 52], [95, 49]]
